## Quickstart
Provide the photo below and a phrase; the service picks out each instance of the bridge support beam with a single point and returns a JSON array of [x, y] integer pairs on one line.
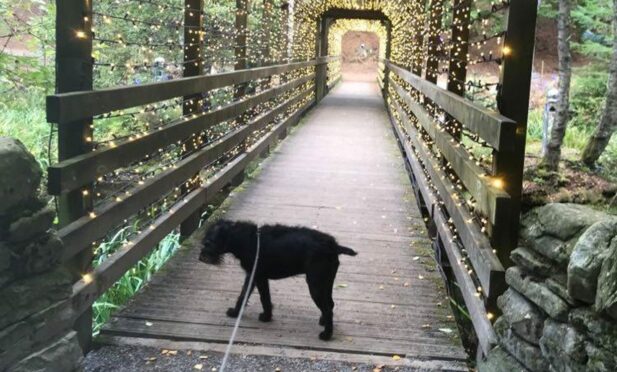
[[193, 66], [74, 73], [513, 102]]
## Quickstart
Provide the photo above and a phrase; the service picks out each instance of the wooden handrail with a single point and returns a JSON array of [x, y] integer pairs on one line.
[[490, 200], [68, 107], [77, 171], [494, 128]]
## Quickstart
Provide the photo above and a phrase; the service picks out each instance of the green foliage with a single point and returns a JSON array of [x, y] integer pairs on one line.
[[134, 279], [589, 87]]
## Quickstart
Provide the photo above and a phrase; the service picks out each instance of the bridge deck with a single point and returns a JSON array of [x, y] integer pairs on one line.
[[340, 172]]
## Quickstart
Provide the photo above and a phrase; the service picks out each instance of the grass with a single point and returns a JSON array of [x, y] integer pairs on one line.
[[134, 279]]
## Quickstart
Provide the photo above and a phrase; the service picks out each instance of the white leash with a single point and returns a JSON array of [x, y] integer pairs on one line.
[[244, 301]]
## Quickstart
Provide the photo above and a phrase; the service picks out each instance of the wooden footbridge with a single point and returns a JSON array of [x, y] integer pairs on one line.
[[410, 170]]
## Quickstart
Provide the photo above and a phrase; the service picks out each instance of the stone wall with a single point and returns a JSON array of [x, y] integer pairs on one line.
[[560, 311], [35, 314]]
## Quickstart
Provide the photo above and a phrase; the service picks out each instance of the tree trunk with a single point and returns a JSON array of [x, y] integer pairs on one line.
[[553, 151], [608, 122]]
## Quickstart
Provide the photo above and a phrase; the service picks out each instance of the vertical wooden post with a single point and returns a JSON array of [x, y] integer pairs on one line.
[[285, 31], [513, 102], [193, 66], [266, 25], [321, 70], [386, 72], [434, 27], [241, 40], [416, 62], [74, 73], [457, 67]]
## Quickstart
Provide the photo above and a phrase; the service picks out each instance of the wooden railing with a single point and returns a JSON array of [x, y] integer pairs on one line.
[[471, 246], [231, 152]]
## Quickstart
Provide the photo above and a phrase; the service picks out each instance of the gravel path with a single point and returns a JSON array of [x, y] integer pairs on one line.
[[140, 358]]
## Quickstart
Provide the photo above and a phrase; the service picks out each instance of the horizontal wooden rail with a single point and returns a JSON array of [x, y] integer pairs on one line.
[[492, 127], [475, 305], [490, 200], [81, 232], [87, 290], [80, 170], [68, 107], [489, 269]]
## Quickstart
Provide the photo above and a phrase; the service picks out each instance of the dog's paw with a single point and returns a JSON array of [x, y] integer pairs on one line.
[[263, 317], [322, 322], [232, 313], [325, 336]]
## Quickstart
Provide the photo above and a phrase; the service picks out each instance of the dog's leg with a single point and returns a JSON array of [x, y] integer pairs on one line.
[[233, 312], [266, 301], [318, 294]]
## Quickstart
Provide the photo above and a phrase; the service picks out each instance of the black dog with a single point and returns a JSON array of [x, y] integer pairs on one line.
[[284, 252]]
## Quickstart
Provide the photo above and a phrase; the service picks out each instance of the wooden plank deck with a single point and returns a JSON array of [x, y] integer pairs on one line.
[[340, 172]]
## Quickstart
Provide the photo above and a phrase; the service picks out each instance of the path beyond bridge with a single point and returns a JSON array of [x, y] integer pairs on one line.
[[341, 172]]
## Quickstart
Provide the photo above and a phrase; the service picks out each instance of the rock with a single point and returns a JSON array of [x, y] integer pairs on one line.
[[557, 284], [21, 175], [601, 360], [525, 319], [63, 355], [39, 256], [532, 262], [587, 257], [606, 294], [563, 346], [31, 226], [537, 293], [499, 360], [601, 331], [527, 354], [19, 339], [560, 220], [27, 296], [5, 257]]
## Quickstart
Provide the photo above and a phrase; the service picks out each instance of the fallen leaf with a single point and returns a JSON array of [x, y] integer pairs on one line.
[[203, 357], [396, 357], [189, 352], [416, 258], [164, 351], [198, 367], [445, 330], [150, 359], [376, 369], [148, 324], [406, 284], [348, 339], [172, 352], [425, 326], [341, 285]]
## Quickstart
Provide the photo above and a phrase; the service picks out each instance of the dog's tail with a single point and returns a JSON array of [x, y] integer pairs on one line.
[[345, 250]]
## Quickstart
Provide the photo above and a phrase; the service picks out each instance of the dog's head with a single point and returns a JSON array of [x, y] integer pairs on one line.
[[215, 243]]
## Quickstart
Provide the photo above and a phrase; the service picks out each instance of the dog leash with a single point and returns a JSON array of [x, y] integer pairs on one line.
[[244, 301]]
